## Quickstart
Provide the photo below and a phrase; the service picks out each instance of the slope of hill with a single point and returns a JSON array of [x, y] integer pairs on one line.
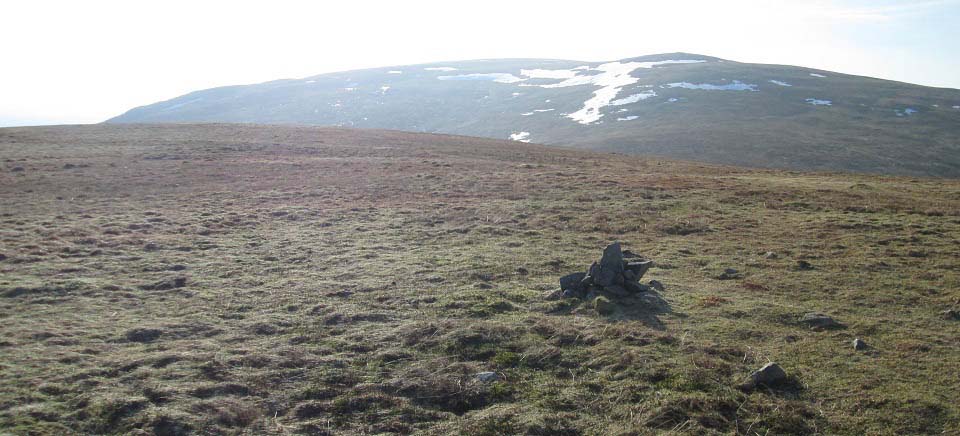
[[678, 105], [236, 279]]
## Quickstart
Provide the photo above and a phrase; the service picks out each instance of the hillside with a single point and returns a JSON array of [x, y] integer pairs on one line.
[[675, 105], [221, 279]]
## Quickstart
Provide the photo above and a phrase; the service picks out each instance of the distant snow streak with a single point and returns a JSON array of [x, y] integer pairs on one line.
[[777, 82], [735, 86], [817, 75], [520, 136], [629, 118], [612, 77], [818, 102], [444, 69], [394, 72]]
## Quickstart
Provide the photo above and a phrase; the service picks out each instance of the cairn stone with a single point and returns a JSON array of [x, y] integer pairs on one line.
[[611, 266], [859, 345], [613, 277], [572, 281]]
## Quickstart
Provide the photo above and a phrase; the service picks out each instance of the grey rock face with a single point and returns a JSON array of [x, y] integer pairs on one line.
[[639, 268], [770, 374], [611, 265]]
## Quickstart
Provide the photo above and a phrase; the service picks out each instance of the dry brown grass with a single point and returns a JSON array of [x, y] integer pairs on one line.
[[258, 279]]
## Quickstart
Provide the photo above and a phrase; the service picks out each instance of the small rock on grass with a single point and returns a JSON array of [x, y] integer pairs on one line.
[[770, 374], [655, 284], [770, 255], [950, 315], [143, 335], [803, 265], [859, 345], [819, 321], [486, 376]]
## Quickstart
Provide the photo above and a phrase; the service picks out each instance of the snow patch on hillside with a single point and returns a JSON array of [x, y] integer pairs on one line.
[[496, 77], [384, 89], [817, 75], [633, 98], [735, 86], [394, 72], [818, 102], [611, 78], [444, 69], [520, 136], [777, 82], [629, 118]]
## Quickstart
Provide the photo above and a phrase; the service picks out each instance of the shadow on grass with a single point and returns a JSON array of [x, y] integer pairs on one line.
[[646, 307]]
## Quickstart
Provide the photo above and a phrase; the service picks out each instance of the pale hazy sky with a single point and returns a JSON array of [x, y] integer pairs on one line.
[[85, 61]]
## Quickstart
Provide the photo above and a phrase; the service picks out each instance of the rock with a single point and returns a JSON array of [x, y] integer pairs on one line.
[[611, 266], [729, 274], [486, 377], [771, 255], [164, 285], [143, 335], [639, 268], [618, 290], [635, 288], [630, 276], [950, 315], [627, 254], [16, 169], [655, 284], [570, 293], [572, 281], [859, 345], [3, 257], [603, 306], [819, 321], [522, 271], [803, 265], [770, 374]]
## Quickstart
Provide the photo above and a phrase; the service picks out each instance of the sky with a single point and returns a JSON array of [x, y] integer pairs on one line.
[[74, 62]]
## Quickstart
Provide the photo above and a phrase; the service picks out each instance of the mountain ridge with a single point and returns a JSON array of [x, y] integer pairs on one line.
[[678, 105]]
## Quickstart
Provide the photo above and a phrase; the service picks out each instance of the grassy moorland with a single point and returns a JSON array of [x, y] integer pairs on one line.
[[228, 279]]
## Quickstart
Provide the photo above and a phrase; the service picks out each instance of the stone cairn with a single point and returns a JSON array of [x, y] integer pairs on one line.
[[616, 275]]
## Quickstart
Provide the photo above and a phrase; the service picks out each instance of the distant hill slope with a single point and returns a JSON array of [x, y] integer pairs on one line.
[[677, 105]]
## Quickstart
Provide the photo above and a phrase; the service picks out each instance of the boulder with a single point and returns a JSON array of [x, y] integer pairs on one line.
[[770, 374], [859, 345]]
